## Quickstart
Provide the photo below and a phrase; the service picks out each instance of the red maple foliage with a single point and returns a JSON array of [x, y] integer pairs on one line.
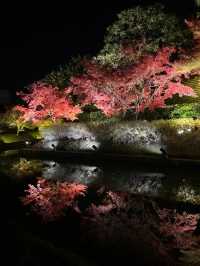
[[144, 85], [45, 101], [178, 227], [49, 200]]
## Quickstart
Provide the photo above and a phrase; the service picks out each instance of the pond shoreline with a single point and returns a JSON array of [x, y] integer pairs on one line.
[[157, 160]]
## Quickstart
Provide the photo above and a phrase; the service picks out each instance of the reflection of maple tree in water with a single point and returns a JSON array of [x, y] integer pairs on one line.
[[50, 200], [179, 227], [113, 215], [122, 210]]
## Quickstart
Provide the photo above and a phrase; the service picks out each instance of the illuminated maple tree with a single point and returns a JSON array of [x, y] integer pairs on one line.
[[146, 85], [45, 101]]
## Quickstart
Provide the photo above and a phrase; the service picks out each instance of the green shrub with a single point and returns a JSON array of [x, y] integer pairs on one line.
[[91, 113], [146, 28], [186, 110], [11, 119], [160, 113]]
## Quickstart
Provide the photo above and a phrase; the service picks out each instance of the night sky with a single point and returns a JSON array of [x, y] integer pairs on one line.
[[35, 39]]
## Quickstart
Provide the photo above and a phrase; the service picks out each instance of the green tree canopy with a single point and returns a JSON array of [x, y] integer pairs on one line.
[[146, 29]]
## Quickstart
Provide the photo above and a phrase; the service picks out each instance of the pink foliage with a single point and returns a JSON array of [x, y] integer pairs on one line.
[[117, 215], [50, 200], [46, 101], [145, 85], [175, 229], [178, 227]]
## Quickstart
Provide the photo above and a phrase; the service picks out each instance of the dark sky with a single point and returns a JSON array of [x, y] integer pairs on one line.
[[35, 38]]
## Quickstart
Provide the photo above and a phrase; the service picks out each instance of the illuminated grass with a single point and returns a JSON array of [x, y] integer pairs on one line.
[[176, 123], [10, 138]]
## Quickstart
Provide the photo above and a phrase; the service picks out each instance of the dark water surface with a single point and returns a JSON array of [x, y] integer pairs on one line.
[[108, 213]]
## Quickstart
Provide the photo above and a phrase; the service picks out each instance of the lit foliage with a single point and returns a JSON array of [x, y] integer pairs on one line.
[[133, 72], [142, 29], [137, 87], [186, 110], [50, 200], [45, 101], [146, 85], [12, 118]]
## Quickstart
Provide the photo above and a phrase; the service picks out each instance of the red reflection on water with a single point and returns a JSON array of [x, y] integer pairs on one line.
[[50, 199]]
